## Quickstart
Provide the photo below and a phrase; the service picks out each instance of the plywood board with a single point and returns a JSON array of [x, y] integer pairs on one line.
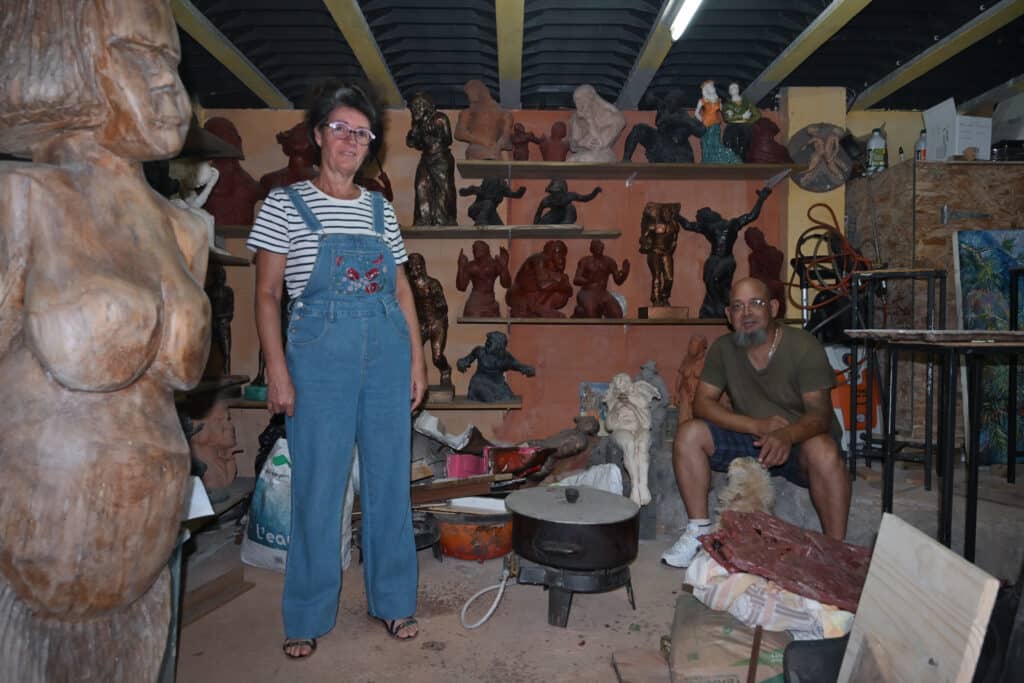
[[923, 612]]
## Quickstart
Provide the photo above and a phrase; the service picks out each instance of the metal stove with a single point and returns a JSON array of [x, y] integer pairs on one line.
[[562, 584]]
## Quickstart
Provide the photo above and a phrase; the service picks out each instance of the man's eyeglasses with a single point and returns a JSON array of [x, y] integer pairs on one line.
[[753, 305], [342, 131]]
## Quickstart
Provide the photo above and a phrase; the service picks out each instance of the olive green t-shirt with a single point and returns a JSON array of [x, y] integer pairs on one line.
[[799, 365]]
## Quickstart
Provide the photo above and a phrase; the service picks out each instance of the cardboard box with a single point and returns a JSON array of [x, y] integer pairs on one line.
[[950, 133]]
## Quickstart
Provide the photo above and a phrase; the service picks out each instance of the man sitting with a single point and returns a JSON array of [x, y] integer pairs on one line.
[[778, 381]]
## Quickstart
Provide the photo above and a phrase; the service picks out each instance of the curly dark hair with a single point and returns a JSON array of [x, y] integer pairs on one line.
[[330, 94]]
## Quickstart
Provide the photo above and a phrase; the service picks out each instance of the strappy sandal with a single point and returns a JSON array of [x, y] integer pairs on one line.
[[299, 642], [396, 626]]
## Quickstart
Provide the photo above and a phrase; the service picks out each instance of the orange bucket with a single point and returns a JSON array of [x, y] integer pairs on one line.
[[475, 537]]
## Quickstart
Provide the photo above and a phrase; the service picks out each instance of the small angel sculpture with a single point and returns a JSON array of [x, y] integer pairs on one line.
[[629, 420]]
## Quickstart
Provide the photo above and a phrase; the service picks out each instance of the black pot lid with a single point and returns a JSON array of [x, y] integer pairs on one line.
[[591, 506]]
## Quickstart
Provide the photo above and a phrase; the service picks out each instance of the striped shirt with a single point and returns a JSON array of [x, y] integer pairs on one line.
[[280, 229]]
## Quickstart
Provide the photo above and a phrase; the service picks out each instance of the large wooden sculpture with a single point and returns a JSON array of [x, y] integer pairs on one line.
[[102, 316]]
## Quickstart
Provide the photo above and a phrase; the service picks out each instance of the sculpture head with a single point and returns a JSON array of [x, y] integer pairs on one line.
[[420, 106], [328, 97], [698, 346], [754, 238], [734, 92], [554, 255], [481, 250], [649, 369], [596, 247], [558, 130], [584, 96], [225, 130], [477, 92], [495, 342], [708, 215], [296, 142], [557, 186], [416, 267], [518, 128], [102, 68], [708, 92], [587, 424]]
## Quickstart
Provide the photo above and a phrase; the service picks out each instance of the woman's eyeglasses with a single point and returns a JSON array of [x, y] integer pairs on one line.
[[342, 131]]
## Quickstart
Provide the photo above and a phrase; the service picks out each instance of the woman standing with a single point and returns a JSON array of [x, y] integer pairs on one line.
[[352, 370]]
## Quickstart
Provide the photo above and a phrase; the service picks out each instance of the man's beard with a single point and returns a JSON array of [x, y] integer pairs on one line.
[[746, 340]]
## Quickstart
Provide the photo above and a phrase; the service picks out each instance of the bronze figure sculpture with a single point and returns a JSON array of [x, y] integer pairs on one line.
[[659, 234], [102, 318], [484, 124], [592, 272], [541, 286], [432, 312], [492, 362], [431, 134], [557, 206], [482, 271], [521, 139], [668, 140], [721, 234], [489, 194]]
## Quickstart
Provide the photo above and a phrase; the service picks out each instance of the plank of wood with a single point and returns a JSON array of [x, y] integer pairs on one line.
[[213, 594], [922, 601], [640, 666]]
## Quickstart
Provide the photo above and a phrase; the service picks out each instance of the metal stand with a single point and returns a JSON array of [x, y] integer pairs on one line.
[[563, 583], [1016, 274]]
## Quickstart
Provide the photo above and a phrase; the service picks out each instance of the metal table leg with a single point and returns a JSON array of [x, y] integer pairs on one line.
[[889, 452], [947, 432], [974, 365]]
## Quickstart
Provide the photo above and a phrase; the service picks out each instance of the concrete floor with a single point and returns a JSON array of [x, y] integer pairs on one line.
[[241, 640]]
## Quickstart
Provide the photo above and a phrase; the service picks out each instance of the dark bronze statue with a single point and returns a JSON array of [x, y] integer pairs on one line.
[[521, 139], [659, 234], [482, 271], [555, 147], [668, 140], [541, 286], [557, 206], [492, 361], [102, 319], [432, 311], [489, 194], [431, 134], [222, 306], [766, 263], [233, 199], [592, 272], [302, 157], [721, 233]]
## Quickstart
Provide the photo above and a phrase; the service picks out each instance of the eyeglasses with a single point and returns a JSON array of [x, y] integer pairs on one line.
[[342, 131], [753, 305]]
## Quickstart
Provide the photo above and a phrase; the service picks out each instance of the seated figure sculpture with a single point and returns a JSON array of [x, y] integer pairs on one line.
[[541, 286], [668, 140], [489, 194], [492, 361], [556, 207], [593, 127], [482, 271], [484, 124], [592, 272]]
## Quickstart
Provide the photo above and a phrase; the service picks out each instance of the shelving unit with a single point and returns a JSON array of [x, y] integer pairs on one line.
[[506, 232], [458, 403], [594, 321], [546, 170], [233, 231], [228, 259], [212, 386]]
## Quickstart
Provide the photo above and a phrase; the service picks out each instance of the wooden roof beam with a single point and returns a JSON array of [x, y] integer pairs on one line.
[[826, 25], [652, 54], [354, 27], [195, 23], [974, 30], [508, 21]]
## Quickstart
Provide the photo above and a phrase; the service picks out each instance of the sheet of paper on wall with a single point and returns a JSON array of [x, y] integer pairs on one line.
[[950, 133]]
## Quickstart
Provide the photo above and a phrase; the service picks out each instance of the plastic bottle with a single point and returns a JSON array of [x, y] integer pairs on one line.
[[921, 147], [876, 152]]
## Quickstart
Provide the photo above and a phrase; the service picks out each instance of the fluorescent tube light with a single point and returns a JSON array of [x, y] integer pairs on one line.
[[683, 17]]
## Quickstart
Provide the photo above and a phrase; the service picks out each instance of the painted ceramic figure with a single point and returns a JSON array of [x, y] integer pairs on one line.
[[593, 300], [541, 288], [484, 125], [431, 134], [492, 362], [593, 127], [709, 111], [102, 319], [481, 272], [668, 140], [489, 194], [557, 207], [739, 115]]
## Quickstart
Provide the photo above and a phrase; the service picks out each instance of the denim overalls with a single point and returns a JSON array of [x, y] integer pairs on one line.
[[349, 357]]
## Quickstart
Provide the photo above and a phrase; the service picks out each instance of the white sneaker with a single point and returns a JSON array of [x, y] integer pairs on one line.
[[683, 551]]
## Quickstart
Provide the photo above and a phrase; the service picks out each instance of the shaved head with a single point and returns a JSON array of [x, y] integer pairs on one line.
[[749, 287]]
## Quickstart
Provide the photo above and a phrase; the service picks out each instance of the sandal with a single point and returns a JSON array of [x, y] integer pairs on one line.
[[397, 626], [299, 642]]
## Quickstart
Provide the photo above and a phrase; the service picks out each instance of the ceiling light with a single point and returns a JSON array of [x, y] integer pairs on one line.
[[684, 14]]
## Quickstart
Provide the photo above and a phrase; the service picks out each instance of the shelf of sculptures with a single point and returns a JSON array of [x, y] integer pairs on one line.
[[456, 403], [546, 170], [506, 232]]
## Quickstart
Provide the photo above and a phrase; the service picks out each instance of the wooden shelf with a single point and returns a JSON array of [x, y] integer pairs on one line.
[[568, 170], [484, 232], [228, 259], [207, 386], [594, 321], [458, 403], [233, 230]]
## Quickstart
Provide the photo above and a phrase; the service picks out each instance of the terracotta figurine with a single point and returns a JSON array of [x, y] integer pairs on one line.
[[541, 286], [763, 148], [233, 199], [593, 127], [659, 233], [721, 234], [521, 139], [668, 140], [484, 125], [557, 206], [492, 361], [629, 421], [302, 158], [554, 147], [688, 376], [431, 134], [222, 305], [489, 194], [102, 319], [709, 111], [482, 271], [592, 272], [376, 183], [766, 263], [215, 445], [432, 312], [739, 115]]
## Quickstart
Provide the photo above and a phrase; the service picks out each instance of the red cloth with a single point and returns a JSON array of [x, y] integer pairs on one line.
[[803, 562]]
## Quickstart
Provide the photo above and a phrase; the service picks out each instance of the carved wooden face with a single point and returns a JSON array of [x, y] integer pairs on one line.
[[149, 109]]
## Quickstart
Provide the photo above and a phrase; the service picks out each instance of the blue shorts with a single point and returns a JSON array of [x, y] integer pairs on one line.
[[731, 445]]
